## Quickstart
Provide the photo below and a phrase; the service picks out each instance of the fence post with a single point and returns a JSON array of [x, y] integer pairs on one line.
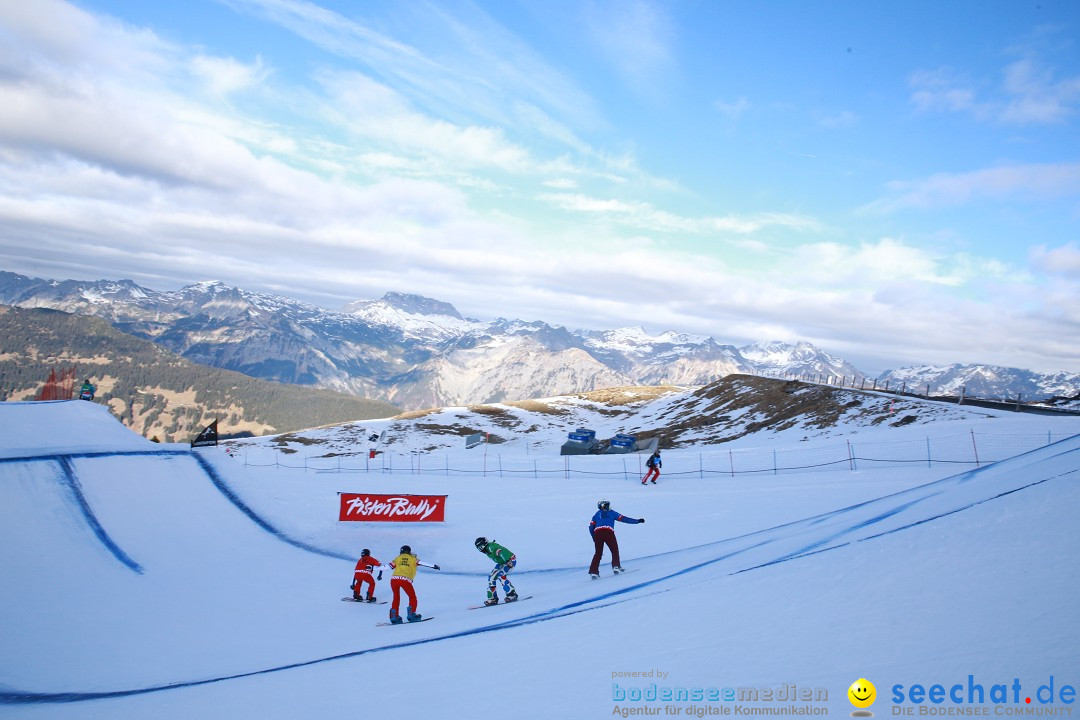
[[731, 462], [975, 447], [700, 467], [850, 457], [929, 461]]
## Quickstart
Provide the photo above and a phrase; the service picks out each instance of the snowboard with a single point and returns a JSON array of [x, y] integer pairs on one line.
[[364, 602], [425, 619], [616, 574], [479, 607]]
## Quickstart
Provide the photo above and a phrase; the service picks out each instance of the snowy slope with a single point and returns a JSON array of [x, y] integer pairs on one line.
[[176, 584]]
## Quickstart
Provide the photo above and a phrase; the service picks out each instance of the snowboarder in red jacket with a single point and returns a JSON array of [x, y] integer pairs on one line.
[[362, 574], [602, 531]]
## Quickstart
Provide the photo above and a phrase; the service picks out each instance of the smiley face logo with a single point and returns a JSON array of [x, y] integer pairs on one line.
[[862, 693]]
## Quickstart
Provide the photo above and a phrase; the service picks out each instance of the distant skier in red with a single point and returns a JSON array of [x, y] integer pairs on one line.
[[653, 463], [362, 574], [602, 531]]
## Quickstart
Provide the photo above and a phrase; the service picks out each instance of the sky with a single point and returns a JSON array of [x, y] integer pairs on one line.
[[896, 183]]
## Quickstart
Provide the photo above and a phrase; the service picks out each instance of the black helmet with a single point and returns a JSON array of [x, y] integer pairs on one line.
[[365, 552], [405, 549], [603, 505], [481, 544]]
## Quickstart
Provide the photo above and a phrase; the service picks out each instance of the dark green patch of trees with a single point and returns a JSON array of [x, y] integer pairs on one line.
[[35, 341]]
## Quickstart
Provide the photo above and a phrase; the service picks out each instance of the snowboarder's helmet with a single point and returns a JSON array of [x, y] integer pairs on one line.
[[365, 552], [481, 544], [603, 504], [405, 549]]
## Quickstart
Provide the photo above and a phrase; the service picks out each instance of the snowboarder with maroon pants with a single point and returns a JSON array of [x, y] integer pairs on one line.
[[602, 531]]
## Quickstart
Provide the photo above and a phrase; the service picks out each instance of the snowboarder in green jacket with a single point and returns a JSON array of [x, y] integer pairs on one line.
[[504, 562]]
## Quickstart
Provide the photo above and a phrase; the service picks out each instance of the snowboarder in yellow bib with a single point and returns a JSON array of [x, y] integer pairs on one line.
[[404, 567], [504, 563]]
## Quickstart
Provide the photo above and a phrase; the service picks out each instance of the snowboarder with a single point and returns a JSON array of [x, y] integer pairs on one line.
[[504, 563], [404, 567], [86, 392], [602, 531], [653, 463], [362, 574]]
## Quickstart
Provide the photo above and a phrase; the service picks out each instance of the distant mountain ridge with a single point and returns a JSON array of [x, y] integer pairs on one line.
[[985, 381], [409, 350], [153, 391]]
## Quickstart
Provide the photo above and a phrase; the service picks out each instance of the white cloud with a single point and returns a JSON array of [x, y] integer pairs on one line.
[[1036, 97], [943, 89], [225, 76], [635, 37], [479, 70], [1029, 94], [1031, 183], [645, 216], [733, 110], [374, 112], [838, 121], [1063, 260]]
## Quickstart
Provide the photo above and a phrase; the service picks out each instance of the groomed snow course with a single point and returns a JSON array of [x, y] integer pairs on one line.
[[143, 580]]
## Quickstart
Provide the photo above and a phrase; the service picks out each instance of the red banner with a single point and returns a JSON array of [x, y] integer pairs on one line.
[[364, 507]]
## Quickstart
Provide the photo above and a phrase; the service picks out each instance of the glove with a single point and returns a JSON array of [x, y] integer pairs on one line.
[[380, 575], [436, 567], [641, 520]]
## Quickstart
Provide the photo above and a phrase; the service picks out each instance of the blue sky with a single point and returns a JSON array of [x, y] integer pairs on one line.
[[897, 183]]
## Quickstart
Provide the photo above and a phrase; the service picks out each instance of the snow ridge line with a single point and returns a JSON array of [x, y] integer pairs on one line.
[[232, 497], [809, 550], [70, 481]]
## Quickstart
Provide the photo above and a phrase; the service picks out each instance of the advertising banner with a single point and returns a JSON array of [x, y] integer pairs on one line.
[[368, 507]]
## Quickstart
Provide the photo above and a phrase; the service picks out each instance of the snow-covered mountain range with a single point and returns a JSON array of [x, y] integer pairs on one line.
[[418, 352], [986, 381]]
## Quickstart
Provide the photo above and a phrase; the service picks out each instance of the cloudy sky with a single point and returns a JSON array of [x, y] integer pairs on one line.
[[898, 183]]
